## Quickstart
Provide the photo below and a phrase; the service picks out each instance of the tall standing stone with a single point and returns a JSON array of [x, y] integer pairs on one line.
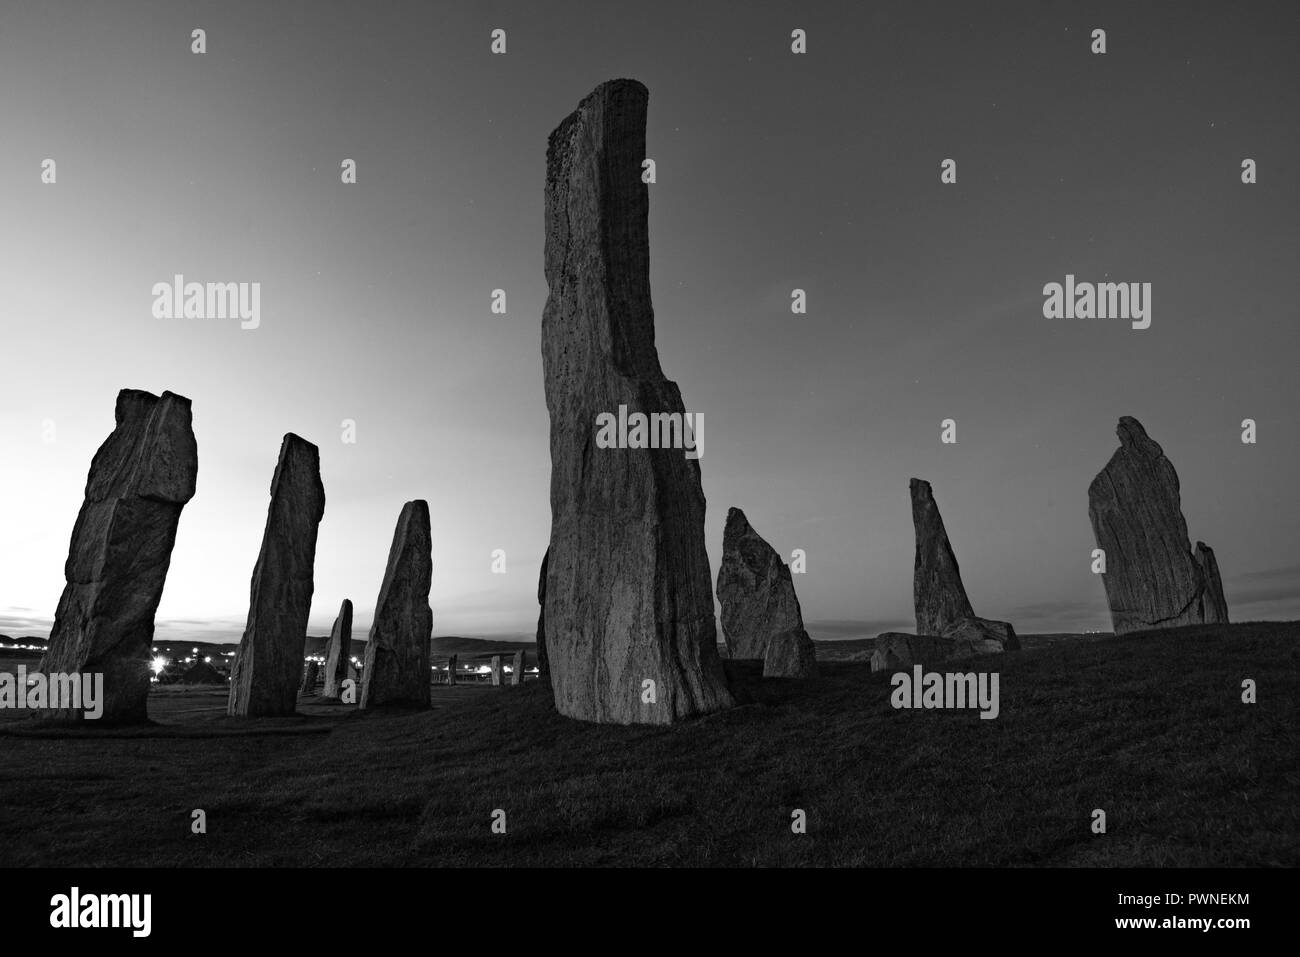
[[543, 668], [339, 651], [397, 655], [937, 590], [1152, 579], [495, 666], [121, 547], [759, 605], [942, 608], [267, 672], [451, 670], [630, 633], [517, 669]]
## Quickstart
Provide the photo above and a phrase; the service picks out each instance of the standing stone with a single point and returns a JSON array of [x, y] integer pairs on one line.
[[1152, 577], [942, 608], [121, 548], [630, 633], [396, 668], [496, 671], [267, 672], [517, 669], [1216, 604], [339, 651], [451, 670], [543, 668], [759, 606], [937, 590], [309, 677]]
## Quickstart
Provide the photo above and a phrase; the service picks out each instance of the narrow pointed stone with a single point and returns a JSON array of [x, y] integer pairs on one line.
[[630, 631], [397, 655], [937, 590], [496, 671], [339, 652], [267, 671], [942, 608], [517, 669], [120, 550], [1152, 579], [452, 664]]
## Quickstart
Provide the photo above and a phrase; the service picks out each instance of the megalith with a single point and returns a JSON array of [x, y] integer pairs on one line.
[[759, 605], [310, 675], [396, 668], [1153, 579], [267, 671], [630, 632], [120, 550], [942, 608], [339, 652]]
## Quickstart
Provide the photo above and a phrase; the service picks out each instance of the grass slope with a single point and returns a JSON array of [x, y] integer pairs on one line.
[[1150, 728]]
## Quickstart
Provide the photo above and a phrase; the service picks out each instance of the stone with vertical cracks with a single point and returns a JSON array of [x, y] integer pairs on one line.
[[339, 652], [629, 602], [397, 655], [1152, 579], [267, 672], [760, 611], [120, 551]]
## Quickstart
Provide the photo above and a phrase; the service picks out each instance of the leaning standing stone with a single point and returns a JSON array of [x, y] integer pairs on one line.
[[267, 672], [397, 655], [121, 548]]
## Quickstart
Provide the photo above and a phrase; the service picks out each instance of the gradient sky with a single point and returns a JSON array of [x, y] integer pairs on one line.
[[775, 171]]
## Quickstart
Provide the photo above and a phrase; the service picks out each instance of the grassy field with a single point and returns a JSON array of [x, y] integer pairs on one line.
[[1150, 728]]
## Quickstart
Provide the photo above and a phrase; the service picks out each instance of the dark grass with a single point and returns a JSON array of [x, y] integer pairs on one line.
[[1150, 728]]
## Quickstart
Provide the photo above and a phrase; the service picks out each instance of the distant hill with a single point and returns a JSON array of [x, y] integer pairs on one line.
[[453, 645]]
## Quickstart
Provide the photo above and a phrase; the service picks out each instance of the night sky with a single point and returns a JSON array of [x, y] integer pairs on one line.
[[775, 171]]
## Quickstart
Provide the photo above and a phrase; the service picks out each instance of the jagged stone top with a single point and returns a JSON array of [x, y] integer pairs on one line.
[[151, 452], [1134, 438], [1136, 449]]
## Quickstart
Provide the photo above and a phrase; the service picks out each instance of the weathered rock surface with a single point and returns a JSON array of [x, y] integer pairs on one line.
[[790, 654], [310, 675], [543, 668], [1152, 577], [942, 608], [759, 605], [339, 652], [982, 636], [896, 649], [517, 669], [628, 591], [120, 551], [452, 665], [396, 668], [267, 672], [495, 674], [937, 590]]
